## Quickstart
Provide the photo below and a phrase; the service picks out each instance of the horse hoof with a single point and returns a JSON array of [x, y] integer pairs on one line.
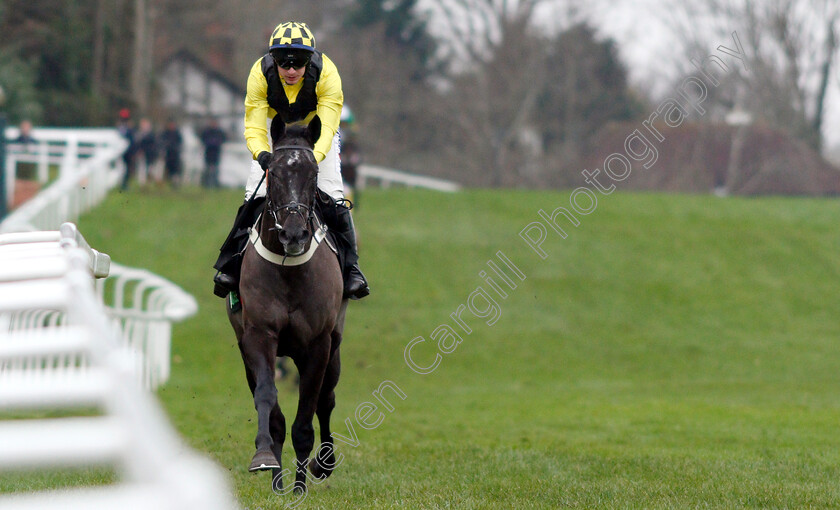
[[318, 471], [263, 460]]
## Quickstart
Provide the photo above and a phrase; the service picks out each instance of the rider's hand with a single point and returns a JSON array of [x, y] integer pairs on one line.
[[264, 159]]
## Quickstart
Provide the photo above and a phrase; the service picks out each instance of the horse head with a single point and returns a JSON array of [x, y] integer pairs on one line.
[[291, 183]]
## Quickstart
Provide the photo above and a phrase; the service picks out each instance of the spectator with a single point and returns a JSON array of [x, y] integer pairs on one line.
[[25, 143], [212, 137], [350, 155], [126, 128], [147, 146], [172, 142], [25, 136]]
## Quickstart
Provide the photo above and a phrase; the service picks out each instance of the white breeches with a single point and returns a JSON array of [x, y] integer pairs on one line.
[[329, 174]]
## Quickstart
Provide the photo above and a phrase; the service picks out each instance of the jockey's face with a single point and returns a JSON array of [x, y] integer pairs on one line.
[[291, 63], [292, 75]]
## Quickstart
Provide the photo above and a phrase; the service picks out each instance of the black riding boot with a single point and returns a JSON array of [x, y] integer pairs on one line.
[[355, 284], [230, 257]]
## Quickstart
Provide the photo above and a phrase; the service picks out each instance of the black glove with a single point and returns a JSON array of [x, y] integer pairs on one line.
[[264, 159]]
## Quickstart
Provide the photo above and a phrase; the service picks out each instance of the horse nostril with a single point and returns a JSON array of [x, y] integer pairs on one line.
[[299, 237]]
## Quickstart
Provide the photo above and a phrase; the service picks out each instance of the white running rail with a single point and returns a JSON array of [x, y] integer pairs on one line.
[[143, 306], [89, 164], [235, 167], [75, 365], [386, 177]]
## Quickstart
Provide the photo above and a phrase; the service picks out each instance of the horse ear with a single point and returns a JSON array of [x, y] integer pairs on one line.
[[314, 129], [278, 129]]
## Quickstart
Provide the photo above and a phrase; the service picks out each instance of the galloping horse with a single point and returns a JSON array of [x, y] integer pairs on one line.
[[291, 305]]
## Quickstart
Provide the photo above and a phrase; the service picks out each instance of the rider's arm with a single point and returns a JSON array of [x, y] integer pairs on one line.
[[257, 111], [330, 100]]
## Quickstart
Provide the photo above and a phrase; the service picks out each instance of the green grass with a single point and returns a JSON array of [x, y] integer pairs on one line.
[[672, 352]]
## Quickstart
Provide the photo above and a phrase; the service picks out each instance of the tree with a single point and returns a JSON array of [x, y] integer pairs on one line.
[[592, 90], [487, 45], [791, 49], [18, 81], [402, 26], [397, 113], [515, 95], [57, 43]]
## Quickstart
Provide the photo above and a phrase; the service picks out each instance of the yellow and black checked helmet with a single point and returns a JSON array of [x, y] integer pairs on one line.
[[290, 35]]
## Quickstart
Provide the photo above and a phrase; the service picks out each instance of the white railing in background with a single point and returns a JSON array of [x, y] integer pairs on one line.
[[387, 177], [144, 305], [235, 166], [105, 418], [89, 164], [61, 146]]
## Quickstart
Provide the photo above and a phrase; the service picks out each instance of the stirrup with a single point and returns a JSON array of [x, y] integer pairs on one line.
[[234, 302]]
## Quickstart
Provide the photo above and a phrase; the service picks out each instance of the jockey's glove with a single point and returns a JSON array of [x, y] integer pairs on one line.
[[264, 159]]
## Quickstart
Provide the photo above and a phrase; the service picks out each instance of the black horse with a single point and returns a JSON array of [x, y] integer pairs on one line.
[[291, 305]]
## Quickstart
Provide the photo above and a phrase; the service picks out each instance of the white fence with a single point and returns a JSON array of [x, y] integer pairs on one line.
[[63, 146], [140, 304], [144, 305], [89, 165], [386, 177], [71, 366]]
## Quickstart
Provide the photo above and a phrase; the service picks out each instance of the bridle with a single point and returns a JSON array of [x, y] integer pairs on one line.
[[292, 208]]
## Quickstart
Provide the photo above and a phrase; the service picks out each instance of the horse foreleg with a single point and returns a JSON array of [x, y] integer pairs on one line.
[[278, 435], [260, 365], [311, 369], [324, 462]]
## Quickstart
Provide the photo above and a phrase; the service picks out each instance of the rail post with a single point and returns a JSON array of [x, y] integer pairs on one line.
[[3, 204]]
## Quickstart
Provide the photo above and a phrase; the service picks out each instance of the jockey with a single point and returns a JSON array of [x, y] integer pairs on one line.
[[295, 81]]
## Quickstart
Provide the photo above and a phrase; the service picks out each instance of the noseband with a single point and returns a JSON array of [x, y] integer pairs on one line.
[[291, 208]]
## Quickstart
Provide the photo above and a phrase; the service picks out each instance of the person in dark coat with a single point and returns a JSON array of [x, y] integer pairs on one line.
[[172, 142], [25, 137], [126, 130], [212, 137], [147, 146]]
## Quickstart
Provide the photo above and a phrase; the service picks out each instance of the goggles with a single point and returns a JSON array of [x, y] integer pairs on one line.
[[291, 60]]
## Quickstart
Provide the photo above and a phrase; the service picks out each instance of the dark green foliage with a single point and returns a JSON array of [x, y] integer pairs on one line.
[[55, 41], [18, 81], [590, 88]]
